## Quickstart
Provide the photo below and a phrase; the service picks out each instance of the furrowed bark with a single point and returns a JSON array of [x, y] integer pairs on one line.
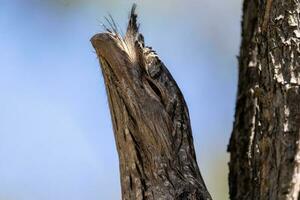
[[264, 146], [150, 120]]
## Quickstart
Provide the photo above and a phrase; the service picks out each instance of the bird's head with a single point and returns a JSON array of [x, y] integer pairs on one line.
[[136, 81]]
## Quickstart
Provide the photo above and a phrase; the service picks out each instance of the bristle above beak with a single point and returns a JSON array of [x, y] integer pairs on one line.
[[133, 26]]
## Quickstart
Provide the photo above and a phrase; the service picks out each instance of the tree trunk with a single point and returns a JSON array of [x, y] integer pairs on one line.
[[150, 120], [264, 146]]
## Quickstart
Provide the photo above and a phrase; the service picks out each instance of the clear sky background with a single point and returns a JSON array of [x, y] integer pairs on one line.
[[56, 139]]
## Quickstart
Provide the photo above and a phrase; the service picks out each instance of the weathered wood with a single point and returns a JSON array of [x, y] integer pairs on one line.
[[264, 146], [150, 120]]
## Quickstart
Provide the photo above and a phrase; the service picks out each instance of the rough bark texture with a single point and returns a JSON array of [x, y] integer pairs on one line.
[[264, 146], [150, 120]]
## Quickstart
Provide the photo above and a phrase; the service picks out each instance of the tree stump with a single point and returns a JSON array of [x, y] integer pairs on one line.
[[264, 146]]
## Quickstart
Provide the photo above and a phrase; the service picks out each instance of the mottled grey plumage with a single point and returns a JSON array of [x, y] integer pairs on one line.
[[150, 119]]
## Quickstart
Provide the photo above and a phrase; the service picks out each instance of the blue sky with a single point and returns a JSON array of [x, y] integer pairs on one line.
[[56, 139]]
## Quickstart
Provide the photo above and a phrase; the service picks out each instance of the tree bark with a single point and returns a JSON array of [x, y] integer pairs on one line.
[[150, 120], [264, 146]]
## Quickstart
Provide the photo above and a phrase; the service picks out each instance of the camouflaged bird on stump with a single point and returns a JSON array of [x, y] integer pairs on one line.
[[150, 120]]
